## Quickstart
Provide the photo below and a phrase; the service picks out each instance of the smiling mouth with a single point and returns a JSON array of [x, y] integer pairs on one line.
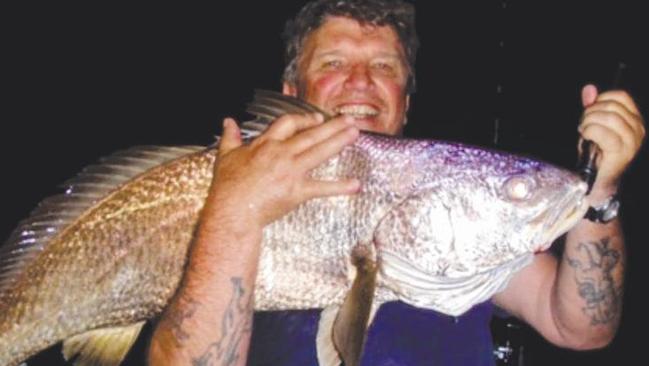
[[359, 111]]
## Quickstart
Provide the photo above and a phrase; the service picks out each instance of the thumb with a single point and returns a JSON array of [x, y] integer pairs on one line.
[[588, 95], [231, 138]]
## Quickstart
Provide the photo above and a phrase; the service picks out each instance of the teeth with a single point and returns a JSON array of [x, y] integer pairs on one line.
[[357, 110]]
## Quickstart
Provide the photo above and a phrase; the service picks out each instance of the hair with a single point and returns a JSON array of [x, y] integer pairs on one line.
[[397, 14]]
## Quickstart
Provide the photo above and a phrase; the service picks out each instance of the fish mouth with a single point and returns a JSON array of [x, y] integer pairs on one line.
[[563, 216]]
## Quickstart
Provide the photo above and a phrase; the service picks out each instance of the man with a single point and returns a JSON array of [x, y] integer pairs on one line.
[[355, 59]]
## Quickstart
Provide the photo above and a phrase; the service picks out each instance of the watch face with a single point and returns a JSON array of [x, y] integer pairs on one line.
[[610, 212], [604, 212]]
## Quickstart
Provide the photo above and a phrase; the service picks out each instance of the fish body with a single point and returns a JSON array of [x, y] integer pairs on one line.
[[448, 225]]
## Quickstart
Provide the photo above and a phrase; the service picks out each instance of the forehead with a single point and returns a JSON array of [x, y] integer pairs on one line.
[[340, 32]]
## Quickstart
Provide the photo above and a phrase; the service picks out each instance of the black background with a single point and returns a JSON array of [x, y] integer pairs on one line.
[[81, 81]]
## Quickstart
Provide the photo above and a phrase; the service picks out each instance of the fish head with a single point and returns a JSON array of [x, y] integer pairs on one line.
[[532, 202], [480, 209], [509, 203], [474, 220]]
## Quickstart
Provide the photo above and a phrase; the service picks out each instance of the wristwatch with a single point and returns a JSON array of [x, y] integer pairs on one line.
[[604, 212]]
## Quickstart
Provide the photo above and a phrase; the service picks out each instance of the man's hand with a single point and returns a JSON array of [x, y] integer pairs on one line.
[[576, 301], [611, 120], [256, 184], [209, 320]]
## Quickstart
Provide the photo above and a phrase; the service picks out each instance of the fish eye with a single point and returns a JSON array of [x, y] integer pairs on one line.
[[519, 188]]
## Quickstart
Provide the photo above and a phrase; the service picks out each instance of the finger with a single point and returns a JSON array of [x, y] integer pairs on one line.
[[588, 95], [319, 153], [580, 144], [605, 138], [315, 135], [288, 125], [231, 138], [317, 188], [613, 123], [621, 97], [629, 104], [614, 107]]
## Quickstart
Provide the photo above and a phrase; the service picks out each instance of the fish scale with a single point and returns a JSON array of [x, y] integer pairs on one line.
[[445, 221], [133, 245]]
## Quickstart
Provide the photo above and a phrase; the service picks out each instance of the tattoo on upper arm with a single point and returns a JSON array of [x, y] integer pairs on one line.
[[594, 265], [236, 325]]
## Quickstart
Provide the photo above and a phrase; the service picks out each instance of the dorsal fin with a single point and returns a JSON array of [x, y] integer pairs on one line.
[[55, 213], [268, 105]]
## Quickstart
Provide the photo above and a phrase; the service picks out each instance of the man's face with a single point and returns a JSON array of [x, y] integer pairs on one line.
[[346, 68]]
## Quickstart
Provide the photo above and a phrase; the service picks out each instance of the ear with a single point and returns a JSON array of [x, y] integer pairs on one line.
[[289, 89]]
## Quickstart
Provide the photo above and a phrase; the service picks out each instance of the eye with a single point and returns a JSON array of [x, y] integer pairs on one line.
[[332, 64], [384, 67], [519, 188]]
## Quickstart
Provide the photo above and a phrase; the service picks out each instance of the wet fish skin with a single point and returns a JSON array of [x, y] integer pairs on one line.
[[117, 264], [437, 214]]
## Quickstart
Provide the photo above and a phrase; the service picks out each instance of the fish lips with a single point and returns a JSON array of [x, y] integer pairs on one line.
[[558, 218]]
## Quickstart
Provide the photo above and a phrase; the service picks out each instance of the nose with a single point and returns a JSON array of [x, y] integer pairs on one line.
[[359, 78]]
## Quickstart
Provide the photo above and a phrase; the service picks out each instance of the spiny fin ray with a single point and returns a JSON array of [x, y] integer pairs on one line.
[[283, 104], [57, 212], [267, 106]]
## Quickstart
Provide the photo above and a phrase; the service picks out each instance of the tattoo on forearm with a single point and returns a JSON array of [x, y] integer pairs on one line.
[[236, 325], [594, 265], [177, 317]]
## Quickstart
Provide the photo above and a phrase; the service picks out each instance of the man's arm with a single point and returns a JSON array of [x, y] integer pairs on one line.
[[209, 320], [576, 301]]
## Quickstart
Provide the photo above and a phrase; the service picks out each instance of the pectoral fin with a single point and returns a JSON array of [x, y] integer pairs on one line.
[[325, 348], [101, 347], [346, 331]]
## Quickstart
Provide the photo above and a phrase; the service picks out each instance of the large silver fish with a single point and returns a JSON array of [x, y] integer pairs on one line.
[[438, 225]]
